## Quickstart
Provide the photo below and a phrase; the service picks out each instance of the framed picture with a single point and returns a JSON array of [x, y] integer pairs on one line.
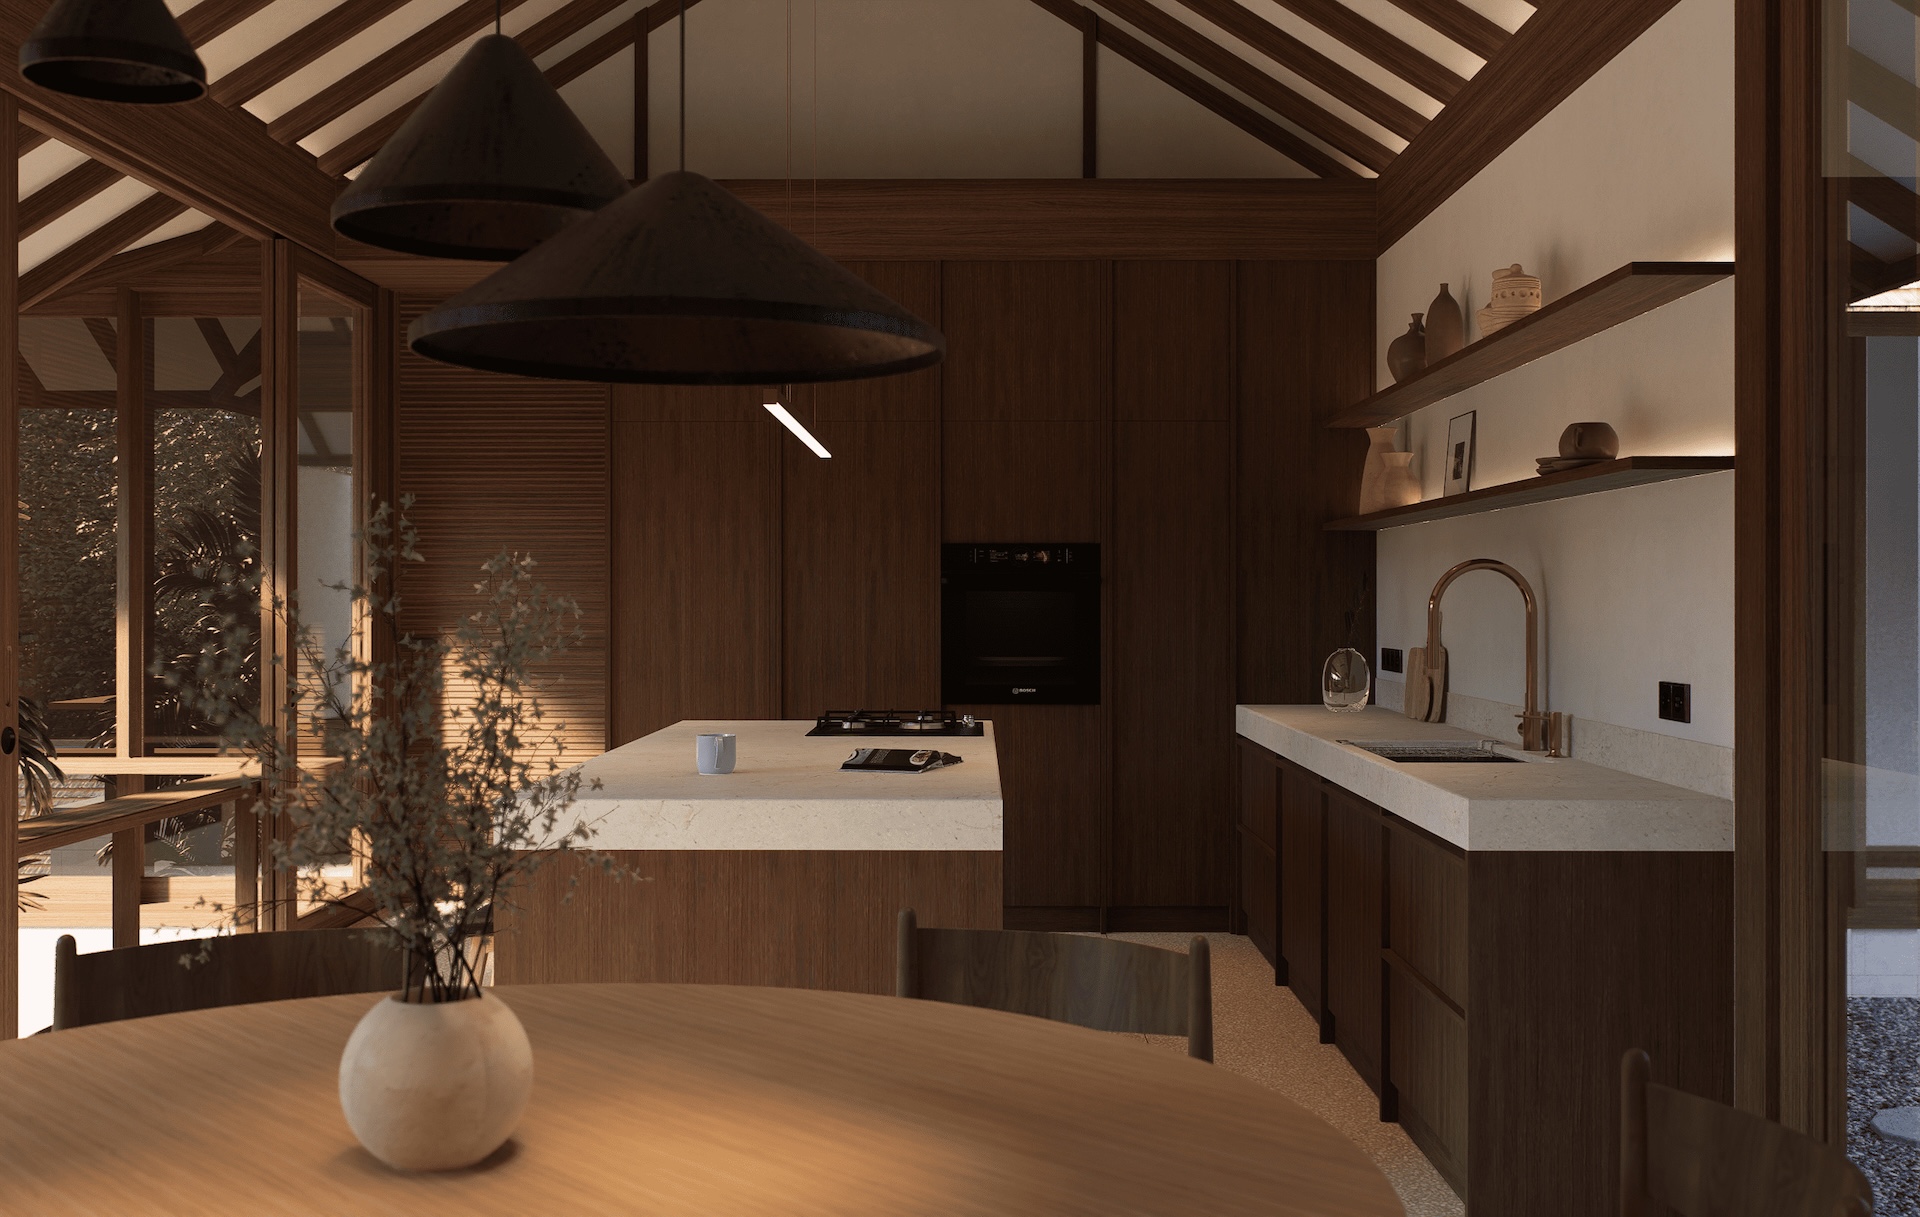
[[1459, 470]]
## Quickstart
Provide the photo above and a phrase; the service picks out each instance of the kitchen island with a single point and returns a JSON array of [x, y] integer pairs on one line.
[[787, 871], [1483, 939]]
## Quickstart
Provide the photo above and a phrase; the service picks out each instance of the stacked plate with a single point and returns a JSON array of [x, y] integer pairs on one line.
[[1560, 464]]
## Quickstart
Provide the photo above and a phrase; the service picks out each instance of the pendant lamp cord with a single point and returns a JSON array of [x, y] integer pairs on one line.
[[496, 18]]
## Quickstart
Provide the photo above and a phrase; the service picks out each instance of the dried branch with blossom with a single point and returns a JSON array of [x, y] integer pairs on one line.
[[440, 797]]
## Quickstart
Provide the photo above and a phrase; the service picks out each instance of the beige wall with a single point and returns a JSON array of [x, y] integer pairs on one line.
[[1637, 584]]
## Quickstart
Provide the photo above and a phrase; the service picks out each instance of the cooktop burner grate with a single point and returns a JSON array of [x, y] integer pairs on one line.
[[896, 722]]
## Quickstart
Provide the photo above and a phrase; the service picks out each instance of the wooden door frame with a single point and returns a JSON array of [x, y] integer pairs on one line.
[[283, 265], [1791, 891], [9, 567]]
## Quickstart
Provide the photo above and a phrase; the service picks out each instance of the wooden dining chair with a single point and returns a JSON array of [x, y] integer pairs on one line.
[[1705, 1159], [165, 977], [1101, 983]]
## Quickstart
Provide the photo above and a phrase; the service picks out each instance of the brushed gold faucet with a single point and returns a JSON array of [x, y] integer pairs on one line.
[[1539, 731]]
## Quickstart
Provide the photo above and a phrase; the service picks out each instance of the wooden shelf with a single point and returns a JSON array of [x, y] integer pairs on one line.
[[1608, 475], [1636, 288]]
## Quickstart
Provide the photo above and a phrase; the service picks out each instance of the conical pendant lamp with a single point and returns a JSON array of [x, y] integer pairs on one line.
[[492, 163], [113, 50], [677, 283]]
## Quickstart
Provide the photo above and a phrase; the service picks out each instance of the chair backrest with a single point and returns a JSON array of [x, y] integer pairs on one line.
[[1705, 1159], [165, 977], [1100, 983]]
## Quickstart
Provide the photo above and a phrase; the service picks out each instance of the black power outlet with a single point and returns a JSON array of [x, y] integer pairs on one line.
[[1676, 701], [1390, 660]]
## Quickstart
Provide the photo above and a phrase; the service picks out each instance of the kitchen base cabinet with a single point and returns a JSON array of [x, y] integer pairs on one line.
[[1356, 853], [1303, 891], [1259, 797], [1488, 995]]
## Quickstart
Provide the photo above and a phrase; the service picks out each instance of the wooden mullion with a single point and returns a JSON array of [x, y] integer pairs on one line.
[[96, 247], [1464, 25], [133, 584], [1205, 53], [368, 80], [9, 562], [1344, 86], [1290, 145], [63, 194], [279, 471], [1418, 70]]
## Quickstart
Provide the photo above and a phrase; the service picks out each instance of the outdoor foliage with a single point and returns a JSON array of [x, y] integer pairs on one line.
[[437, 794]]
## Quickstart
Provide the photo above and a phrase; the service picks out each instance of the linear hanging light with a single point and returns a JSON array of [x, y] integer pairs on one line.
[[113, 50], [778, 408], [680, 282], [492, 163]]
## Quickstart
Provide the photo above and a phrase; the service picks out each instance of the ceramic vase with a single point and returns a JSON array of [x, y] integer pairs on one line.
[[1398, 486], [1515, 294], [1446, 326], [1407, 354], [434, 1086], [1346, 682], [1386, 479]]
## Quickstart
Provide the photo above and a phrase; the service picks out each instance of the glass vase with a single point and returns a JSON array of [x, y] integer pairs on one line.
[[1346, 681]]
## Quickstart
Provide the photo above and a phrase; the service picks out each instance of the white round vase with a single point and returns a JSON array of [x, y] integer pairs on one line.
[[434, 1086]]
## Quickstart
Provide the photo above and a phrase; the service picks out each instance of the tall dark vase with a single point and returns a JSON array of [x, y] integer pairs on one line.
[[1446, 326], [1407, 354]]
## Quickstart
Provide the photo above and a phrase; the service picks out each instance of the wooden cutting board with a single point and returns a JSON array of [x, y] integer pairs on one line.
[[1426, 697]]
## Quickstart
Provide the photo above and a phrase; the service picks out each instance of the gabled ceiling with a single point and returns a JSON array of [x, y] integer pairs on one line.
[[829, 88]]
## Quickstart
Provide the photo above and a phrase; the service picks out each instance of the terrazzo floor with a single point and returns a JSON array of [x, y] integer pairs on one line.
[[1883, 1070], [1263, 1033]]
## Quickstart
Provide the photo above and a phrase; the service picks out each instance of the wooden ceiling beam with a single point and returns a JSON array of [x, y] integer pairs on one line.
[[209, 19], [146, 268], [1559, 48], [1288, 144], [67, 266], [1283, 48], [537, 39], [618, 38], [1188, 42], [1463, 25], [1418, 70], [299, 49], [403, 58], [1887, 96], [1880, 197], [63, 194]]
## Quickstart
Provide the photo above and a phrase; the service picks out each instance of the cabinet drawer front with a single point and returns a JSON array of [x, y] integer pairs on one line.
[[1356, 849], [1259, 893], [1427, 1064], [1259, 792], [1427, 910]]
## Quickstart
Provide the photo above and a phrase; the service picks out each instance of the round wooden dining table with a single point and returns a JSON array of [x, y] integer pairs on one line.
[[699, 1100]]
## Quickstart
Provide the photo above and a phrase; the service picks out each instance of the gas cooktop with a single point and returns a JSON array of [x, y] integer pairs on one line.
[[897, 722]]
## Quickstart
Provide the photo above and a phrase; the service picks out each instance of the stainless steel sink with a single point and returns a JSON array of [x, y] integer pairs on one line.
[[1443, 752]]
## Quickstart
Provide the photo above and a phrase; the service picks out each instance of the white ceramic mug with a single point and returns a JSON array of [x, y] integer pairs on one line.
[[714, 753]]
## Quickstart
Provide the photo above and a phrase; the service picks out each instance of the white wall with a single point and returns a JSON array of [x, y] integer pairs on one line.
[[1636, 585]]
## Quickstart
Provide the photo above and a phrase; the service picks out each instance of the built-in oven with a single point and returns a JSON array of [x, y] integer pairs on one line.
[[1020, 623]]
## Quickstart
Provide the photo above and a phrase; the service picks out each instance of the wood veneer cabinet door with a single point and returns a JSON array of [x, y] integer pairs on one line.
[[1302, 831], [1356, 855], [1259, 805], [1427, 909], [1427, 1069]]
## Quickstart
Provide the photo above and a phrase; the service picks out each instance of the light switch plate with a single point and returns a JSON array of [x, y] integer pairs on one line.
[[1676, 702]]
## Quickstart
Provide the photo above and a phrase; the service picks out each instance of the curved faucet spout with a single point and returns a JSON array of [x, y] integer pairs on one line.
[[1539, 731]]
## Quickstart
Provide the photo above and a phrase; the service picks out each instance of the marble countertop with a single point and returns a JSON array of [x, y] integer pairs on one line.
[[1536, 804], [787, 791]]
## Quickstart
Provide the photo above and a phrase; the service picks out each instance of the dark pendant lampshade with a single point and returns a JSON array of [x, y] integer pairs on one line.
[[492, 163], [678, 283], [113, 50]]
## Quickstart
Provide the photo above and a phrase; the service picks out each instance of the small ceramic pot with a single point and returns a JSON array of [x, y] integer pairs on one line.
[[1590, 440], [434, 1086], [1407, 354]]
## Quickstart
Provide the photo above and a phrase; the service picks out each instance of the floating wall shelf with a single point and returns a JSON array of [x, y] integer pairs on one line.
[[1608, 475], [1636, 288]]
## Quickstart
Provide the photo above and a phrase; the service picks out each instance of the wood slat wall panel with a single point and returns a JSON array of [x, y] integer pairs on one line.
[[1304, 348], [696, 578], [505, 462]]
